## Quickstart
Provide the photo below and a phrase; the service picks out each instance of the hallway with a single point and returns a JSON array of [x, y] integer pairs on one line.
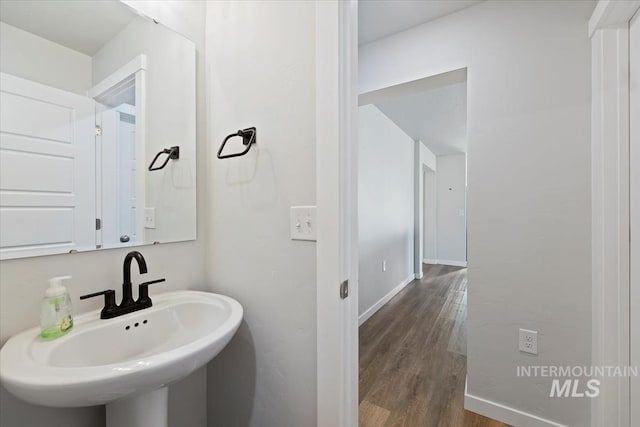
[[413, 356]]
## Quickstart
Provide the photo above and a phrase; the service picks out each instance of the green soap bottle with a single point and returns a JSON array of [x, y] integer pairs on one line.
[[56, 317]]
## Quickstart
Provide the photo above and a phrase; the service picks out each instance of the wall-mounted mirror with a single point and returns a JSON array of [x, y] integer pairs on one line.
[[91, 93]]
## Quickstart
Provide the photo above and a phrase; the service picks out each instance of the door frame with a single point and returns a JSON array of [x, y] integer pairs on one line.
[[337, 212], [137, 69], [337, 250], [634, 212], [610, 181]]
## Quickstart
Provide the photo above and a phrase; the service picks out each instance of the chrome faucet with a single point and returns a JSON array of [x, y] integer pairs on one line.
[[128, 304]]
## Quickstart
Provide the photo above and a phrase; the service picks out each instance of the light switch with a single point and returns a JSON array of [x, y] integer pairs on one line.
[[303, 223], [149, 217]]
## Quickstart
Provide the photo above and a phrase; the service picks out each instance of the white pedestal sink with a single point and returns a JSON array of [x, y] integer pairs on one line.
[[126, 363]]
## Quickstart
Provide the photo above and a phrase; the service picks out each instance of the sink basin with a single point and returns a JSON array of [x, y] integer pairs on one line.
[[102, 361]]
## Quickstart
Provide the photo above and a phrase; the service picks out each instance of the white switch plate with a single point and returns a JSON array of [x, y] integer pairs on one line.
[[528, 341], [149, 217], [303, 223], [384, 265]]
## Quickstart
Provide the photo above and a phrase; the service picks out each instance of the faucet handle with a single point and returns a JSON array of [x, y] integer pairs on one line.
[[143, 291], [109, 301], [106, 293]]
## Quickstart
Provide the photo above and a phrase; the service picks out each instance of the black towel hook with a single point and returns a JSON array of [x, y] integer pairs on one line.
[[248, 138], [173, 154]]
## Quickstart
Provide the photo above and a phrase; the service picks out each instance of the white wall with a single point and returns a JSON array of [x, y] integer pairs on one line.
[[32, 57], [261, 72], [430, 215], [529, 183], [451, 209], [23, 281], [385, 206], [170, 119]]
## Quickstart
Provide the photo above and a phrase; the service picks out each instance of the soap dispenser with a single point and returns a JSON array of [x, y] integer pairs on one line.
[[55, 318]]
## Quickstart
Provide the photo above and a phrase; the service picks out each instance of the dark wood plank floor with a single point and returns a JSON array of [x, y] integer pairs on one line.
[[413, 356]]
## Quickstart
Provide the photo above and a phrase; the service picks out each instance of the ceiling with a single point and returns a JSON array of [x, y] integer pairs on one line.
[[84, 26], [381, 18], [437, 117]]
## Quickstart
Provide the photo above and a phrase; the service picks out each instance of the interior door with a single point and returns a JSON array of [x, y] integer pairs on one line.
[[634, 167], [51, 133]]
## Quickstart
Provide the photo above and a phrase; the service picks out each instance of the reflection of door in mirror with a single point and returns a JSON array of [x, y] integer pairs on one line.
[[119, 176], [120, 116], [49, 132]]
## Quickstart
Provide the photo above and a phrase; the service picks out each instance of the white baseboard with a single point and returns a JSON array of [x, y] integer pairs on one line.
[[445, 262], [375, 307], [453, 263], [504, 413], [418, 275]]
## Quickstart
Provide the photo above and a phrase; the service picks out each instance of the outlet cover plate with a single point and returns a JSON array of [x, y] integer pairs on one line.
[[528, 341]]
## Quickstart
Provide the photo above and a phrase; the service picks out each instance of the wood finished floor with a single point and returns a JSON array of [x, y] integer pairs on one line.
[[413, 356]]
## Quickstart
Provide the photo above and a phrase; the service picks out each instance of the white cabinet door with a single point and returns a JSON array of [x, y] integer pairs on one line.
[[634, 167], [47, 169]]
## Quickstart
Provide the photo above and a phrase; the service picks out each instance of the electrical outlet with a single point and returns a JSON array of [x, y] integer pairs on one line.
[[528, 341], [384, 265]]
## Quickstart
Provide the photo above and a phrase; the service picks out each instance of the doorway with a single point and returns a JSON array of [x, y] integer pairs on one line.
[[120, 158], [412, 264], [524, 97]]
